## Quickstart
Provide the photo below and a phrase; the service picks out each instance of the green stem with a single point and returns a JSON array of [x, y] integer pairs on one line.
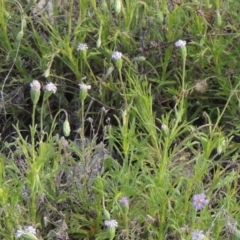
[[82, 121], [91, 71], [54, 120], [225, 107], [33, 132], [123, 89], [183, 74]]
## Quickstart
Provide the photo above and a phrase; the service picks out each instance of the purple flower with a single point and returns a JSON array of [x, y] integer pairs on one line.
[[199, 201], [198, 235], [180, 43], [124, 201], [111, 223], [116, 55]]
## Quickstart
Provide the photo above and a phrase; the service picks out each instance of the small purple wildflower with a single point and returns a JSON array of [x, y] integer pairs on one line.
[[124, 201], [116, 55], [197, 235], [199, 201], [180, 43], [111, 223]]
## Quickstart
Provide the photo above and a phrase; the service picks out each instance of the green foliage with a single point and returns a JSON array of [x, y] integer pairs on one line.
[[150, 125]]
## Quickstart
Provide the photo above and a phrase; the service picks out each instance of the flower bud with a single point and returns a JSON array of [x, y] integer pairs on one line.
[[47, 73], [117, 6], [24, 22], [104, 5], [20, 35], [99, 42], [29, 236], [218, 19], [140, 59], [106, 214], [66, 128], [165, 130]]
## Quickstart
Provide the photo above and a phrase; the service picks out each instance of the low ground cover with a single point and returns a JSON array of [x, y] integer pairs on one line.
[[119, 119]]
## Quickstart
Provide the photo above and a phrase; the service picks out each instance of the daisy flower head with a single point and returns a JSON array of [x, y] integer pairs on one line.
[[19, 233], [51, 87], [82, 47], [29, 231], [84, 86], [180, 43], [116, 55], [84, 90], [124, 201], [197, 235], [111, 223], [199, 201], [111, 228], [35, 85], [35, 91]]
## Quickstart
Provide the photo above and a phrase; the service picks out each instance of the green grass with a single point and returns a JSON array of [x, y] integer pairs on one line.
[[158, 126]]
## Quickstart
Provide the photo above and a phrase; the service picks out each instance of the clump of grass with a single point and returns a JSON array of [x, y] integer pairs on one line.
[[119, 120]]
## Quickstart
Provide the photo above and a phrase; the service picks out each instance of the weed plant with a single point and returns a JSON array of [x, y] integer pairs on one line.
[[119, 119]]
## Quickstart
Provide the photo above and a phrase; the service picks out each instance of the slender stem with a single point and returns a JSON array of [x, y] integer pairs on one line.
[[183, 74], [91, 71], [54, 120], [41, 122], [124, 91], [82, 119], [32, 165], [225, 107], [33, 132]]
